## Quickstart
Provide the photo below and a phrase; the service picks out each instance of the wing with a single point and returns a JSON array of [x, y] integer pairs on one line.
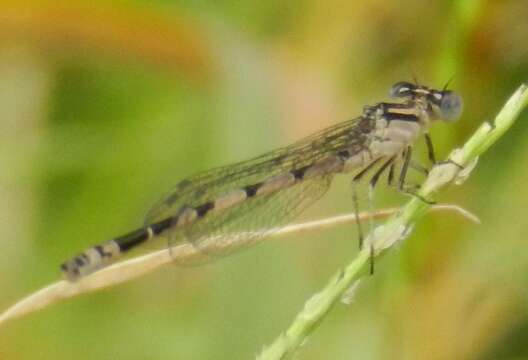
[[244, 225], [208, 185], [239, 226]]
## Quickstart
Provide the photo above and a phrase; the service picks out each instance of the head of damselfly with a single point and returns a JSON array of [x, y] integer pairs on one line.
[[442, 104]]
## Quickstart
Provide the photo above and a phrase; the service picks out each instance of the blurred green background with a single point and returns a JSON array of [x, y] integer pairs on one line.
[[103, 108]]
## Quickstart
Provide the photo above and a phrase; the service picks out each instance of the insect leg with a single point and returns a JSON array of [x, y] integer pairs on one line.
[[375, 178], [355, 200], [430, 148], [403, 175], [431, 153], [419, 167], [432, 157], [372, 184], [390, 177], [355, 182], [405, 166]]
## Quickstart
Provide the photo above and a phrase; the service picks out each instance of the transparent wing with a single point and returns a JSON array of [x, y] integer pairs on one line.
[[208, 185], [222, 232], [242, 226]]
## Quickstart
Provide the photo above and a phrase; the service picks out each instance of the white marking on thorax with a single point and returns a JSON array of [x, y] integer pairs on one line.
[[402, 131], [391, 137], [404, 111]]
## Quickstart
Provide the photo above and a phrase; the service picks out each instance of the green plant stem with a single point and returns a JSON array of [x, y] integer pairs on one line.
[[457, 168]]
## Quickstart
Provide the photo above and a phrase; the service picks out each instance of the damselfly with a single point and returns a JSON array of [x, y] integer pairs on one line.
[[243, 202]]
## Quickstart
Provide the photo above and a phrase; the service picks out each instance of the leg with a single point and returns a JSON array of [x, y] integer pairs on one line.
[[430, 148], [418, 167], [375, 178], [355, 198], [403, 175], [431, 153], [390, 178], [372, 184]]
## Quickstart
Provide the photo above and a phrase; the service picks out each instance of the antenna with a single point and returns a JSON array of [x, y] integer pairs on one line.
[[448, 82]]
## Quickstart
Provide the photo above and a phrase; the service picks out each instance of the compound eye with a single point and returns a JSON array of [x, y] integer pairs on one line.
[[402, 89], [450, 106]]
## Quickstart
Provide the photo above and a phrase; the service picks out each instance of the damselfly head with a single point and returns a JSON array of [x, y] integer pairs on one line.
[[444, 104]]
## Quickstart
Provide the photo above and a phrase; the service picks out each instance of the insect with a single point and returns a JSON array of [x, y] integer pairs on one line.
[[243, 202]]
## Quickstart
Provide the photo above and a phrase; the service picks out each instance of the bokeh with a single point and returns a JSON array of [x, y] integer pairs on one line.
[[104, 106]]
